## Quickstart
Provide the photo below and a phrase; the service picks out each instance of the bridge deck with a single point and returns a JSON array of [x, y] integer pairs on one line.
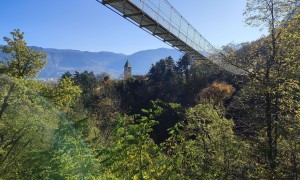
[[171, 28], [159, 18]]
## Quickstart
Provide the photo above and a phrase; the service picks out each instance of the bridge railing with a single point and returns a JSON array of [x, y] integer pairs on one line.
[[166, 15], [160, 18]]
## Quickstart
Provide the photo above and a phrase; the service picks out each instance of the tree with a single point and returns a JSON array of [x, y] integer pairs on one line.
[[88, 83], [217, 93], [289, 99], [205, 147], [65, 94], [86, 80], [23, 61], [133, 94], [104, 78], [163, 78], [66, 74], [71, 157], [265, 63], [167, 115], [184, 64], [269, 14], [105, 109], [26, 129], [202, 74], [133, 154]]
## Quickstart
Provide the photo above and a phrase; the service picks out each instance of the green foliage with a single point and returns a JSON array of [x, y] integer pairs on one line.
[[23, 61], [201, 75], [105, 110], [66, 75], [66, 93], [269, 100], [206, 148], [164, 81], [183, 66], [26, 128], [37, 142], [86, 80], [167, 115], [133, 154], [72, 158], [134, 95], [171, 139], [88, 83]]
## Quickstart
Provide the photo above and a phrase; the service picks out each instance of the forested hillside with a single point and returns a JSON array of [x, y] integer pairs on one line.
[[184, 119]]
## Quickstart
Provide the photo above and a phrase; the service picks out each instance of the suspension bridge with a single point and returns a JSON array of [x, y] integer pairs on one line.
[[162, 20]]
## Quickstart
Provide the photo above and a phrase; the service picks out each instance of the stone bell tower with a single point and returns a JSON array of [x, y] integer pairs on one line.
[[127, 70]]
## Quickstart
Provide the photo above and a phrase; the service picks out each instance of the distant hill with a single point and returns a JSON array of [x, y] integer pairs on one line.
[[60, 61]]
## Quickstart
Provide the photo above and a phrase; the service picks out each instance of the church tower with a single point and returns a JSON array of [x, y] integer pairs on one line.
[[127, 70]]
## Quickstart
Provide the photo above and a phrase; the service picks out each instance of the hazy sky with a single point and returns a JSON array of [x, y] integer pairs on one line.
[[89, 26]]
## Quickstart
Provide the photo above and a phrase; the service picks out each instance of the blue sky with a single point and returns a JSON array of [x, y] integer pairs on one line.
[[89, 26]]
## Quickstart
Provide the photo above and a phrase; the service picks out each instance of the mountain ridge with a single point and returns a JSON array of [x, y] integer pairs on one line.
[[62, 60]]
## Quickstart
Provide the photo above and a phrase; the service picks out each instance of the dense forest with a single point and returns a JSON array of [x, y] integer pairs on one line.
[[185, 119]]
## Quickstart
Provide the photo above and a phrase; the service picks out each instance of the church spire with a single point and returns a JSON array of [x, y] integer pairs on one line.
[[127, 64], [127, 70]]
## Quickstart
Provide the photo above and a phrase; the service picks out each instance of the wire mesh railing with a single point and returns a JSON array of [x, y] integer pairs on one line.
[[167, 16]]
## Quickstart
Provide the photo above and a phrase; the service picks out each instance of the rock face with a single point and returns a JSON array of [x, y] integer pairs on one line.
[[60, 61]]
